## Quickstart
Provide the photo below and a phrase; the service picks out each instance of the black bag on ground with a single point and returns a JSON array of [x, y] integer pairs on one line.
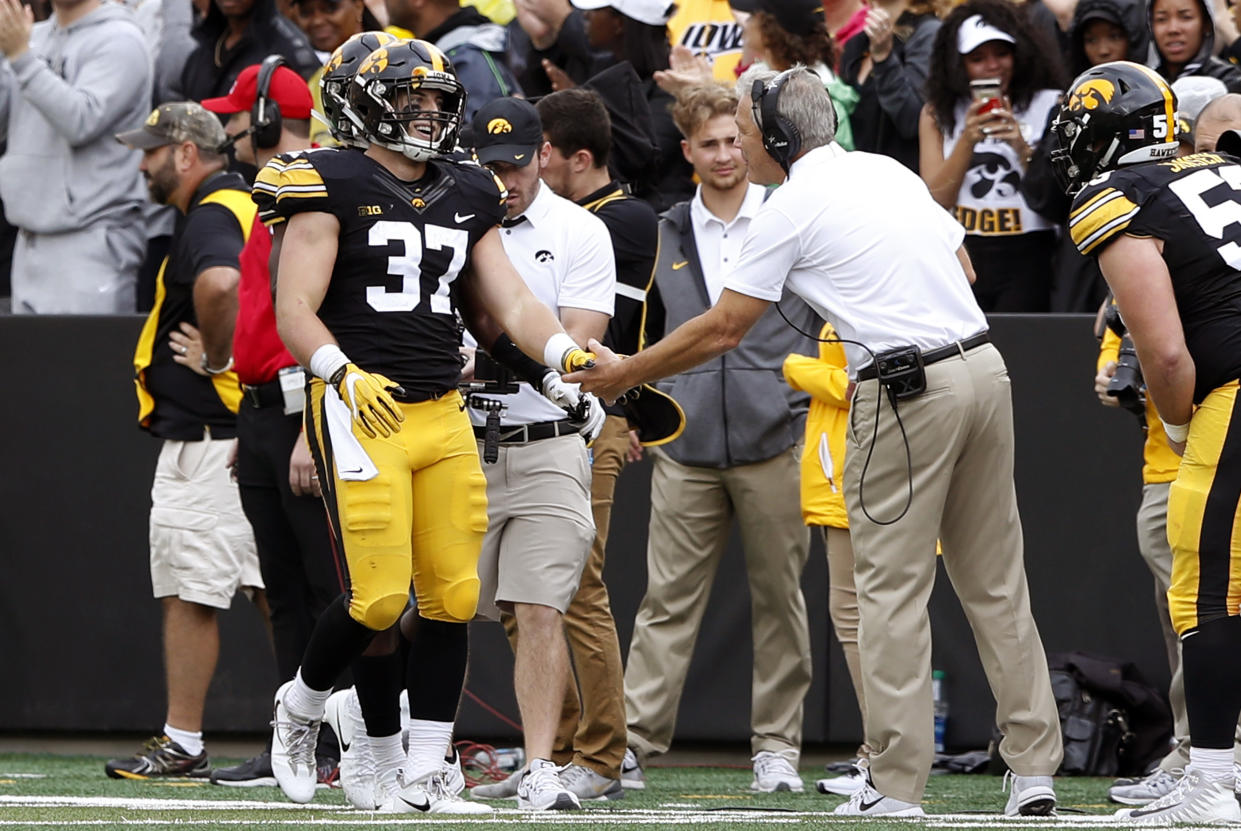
[[1112, 721]]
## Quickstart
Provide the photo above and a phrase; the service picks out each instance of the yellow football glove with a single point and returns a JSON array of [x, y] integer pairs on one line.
[[366, 395], [575, 359]]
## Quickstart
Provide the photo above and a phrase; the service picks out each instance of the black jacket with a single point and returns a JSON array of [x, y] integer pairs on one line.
[[1205, 62], [210, 70], [886, 118]]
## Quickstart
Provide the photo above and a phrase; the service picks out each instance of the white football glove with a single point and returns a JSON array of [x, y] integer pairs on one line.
[[563, 395], [592, 425]]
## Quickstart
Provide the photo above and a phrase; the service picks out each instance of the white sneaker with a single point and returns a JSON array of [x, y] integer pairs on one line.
[[504, 789], [357, 762], [866, 801], [1030, 796], [844, 785], [1195, 799], [293, 744], [589, 785], [1146, 791], [541, 789], [774, 771], [429, 795], [632, 777], [454, 776]]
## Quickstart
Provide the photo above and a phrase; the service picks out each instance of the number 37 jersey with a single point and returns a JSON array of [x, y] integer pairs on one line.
[[1193, 204], [402, 244]]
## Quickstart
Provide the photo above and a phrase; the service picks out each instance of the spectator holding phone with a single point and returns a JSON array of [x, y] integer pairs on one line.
[[990, 90]]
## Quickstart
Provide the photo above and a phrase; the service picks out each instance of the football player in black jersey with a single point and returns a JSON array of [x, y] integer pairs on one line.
[[376, 246], [1167, 232]]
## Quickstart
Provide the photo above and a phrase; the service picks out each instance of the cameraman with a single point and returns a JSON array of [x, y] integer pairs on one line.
[[1159, 468]]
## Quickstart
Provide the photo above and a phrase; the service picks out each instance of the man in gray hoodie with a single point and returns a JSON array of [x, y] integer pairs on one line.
[[69, 84]]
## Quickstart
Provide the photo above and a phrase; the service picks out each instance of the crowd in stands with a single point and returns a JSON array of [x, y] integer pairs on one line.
[[902, 75]]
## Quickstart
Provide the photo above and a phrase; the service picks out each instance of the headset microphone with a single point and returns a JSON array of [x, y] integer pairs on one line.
[[232, 140]]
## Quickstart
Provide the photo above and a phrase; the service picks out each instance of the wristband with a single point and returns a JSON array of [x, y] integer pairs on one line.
[[327, 361], [558, 346], [210, 371], [1176, 432]]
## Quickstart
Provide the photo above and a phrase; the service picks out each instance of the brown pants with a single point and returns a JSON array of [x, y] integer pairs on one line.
[[691, 516], [592, 720], [960, 434]]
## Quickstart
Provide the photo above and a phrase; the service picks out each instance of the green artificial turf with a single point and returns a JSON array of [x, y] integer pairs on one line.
[[44, 791]]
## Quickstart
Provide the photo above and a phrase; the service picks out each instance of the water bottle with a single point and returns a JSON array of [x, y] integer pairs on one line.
[[939, 696]]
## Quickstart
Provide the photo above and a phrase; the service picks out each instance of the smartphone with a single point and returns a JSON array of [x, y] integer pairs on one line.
[[987, 90]]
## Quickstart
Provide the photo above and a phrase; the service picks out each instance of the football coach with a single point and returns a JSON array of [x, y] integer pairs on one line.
[[859, 237]]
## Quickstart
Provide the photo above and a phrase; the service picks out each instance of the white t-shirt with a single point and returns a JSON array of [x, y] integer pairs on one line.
[[719, 242], [859, 238], [564, 253], [990, 202]]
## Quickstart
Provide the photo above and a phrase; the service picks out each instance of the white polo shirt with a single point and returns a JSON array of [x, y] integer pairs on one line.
[[564, 253], [719, 242], [859, 238]]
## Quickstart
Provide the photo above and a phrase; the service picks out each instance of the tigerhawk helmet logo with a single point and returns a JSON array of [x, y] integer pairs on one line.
[[496, 126], [377, 60], [1092, 94], [153, 118]]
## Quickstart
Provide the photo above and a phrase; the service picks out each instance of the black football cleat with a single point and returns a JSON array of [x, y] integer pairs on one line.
[[252, 773]]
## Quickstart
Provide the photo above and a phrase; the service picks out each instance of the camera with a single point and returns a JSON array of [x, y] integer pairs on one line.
[[491, 376], [1126, 386]]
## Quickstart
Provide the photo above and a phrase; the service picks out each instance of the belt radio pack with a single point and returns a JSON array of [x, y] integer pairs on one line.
[[902, 372], [490, 378]]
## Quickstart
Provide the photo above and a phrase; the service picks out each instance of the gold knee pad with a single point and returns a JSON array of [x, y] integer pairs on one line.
[[380, 613]]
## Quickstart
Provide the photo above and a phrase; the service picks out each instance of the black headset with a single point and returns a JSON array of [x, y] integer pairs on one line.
[[781, 138], [266, 123]]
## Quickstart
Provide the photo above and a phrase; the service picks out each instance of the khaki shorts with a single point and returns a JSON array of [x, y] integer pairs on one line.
[[540, 527], [202, 547]]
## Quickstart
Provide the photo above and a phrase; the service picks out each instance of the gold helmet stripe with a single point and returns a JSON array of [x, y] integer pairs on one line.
[[1169, 100]]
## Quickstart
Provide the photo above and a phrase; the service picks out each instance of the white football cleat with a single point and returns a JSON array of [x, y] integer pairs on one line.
[[293, 745], [1196, 800], [357, 761], [429, 795], [774, 771]]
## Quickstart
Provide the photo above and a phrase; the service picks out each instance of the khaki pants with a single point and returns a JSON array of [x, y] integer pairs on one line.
[[842, 608], [691, 515], [960, 434]]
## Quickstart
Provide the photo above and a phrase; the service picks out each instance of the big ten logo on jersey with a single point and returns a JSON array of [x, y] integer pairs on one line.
[[712, 39], [989, 221], [370, 210]]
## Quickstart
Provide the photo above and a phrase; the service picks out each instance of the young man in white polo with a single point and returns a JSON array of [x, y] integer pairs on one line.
[[540, 526]]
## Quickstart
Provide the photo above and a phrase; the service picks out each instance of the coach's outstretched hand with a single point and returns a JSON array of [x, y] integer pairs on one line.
[[605, 378], [367, 396]]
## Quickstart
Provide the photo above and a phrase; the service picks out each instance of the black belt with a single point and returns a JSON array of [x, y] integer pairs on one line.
[[520, 434], [263, 395], [933, 355]]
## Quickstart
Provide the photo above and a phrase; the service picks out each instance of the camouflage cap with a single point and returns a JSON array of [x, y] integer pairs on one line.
[[174, 123]]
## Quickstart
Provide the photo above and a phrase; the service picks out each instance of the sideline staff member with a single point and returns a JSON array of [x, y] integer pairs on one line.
[[838, 258]]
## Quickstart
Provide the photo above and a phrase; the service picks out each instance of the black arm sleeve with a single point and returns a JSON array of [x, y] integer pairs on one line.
[[517, 362]]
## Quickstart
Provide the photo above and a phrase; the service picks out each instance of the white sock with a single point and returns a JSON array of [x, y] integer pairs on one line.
[[428, 745], [388, 751], [304, 703], [191, 743], [1213, 764]]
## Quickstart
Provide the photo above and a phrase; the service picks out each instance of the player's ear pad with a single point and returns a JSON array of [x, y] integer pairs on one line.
[[656, 416]]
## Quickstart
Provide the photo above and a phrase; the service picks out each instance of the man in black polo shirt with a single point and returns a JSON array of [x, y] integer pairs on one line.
[[202, 549]]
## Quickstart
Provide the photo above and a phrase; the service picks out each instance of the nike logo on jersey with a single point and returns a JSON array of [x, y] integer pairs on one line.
[[680, 265], [358, 469], [424, 805], [461, 217], [518, 156]]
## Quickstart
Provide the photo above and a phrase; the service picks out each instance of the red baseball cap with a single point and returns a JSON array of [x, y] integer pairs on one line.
[[286, 88]]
